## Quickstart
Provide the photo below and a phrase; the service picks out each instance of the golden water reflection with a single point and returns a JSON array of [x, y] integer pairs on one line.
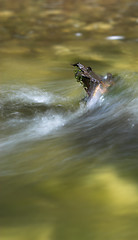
[[100, 205]]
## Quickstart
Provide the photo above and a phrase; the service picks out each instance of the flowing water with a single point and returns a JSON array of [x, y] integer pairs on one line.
[[68, 169]]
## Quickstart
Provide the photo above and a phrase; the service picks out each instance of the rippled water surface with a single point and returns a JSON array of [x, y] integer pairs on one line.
[[68, 169]]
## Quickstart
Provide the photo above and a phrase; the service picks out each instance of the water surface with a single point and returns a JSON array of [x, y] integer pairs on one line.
[[68, 170]]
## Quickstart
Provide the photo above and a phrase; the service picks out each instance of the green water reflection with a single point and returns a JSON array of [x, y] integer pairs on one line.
[[63, 187]]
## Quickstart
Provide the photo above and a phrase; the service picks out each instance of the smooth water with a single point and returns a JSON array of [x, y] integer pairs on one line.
[[68, 170]]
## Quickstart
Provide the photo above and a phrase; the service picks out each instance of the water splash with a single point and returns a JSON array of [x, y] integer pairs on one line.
[[29, 114]]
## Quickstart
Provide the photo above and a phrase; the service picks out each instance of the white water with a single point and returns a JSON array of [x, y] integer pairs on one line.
[[26, 128], [31, 114]]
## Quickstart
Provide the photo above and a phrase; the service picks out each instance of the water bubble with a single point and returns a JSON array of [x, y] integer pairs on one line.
[[78, 34], [115, 37]]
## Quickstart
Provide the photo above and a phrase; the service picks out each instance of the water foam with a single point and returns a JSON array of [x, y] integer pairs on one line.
[[20, 128], [28, 95]]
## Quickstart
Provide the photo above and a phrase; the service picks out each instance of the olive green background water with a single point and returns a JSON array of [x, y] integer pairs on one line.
[[68, 170]]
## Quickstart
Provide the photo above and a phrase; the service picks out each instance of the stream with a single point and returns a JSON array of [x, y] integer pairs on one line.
[[68, 169]]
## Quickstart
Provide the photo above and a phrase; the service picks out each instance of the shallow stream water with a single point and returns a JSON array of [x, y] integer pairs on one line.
[[68, 169]]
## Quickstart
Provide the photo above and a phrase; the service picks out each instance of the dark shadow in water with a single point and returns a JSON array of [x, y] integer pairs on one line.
[[26, 110]]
